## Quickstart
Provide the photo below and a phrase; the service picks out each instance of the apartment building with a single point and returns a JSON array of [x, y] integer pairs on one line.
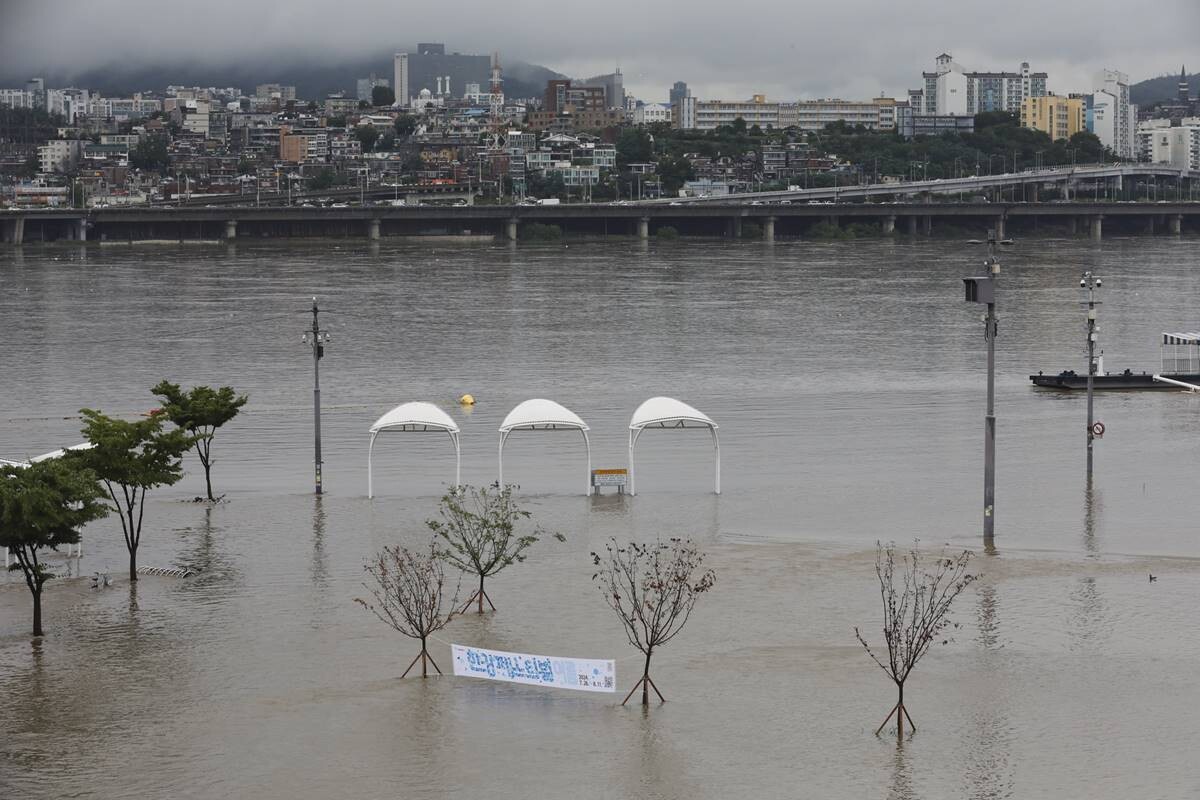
[[1120, 129], [1060, 117], [60, 155], [951, 90], [304, 145]]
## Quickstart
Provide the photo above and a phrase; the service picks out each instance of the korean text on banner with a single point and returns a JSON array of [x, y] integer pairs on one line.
[[583, 674]]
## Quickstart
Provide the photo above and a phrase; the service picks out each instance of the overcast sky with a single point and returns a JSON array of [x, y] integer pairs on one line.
[[786, 49]]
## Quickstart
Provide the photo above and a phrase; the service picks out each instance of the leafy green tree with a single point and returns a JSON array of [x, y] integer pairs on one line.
[[367, 134], [151, 154], [130, 459], [674, 172], [45, 505], [481, 531], [634, 146], [405, 124], [201, 412], [382, 96], [324, 179]]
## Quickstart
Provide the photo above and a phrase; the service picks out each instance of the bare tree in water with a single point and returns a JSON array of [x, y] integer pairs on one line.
[[653, 589], [482, 532], [411, 595], [916, 607]]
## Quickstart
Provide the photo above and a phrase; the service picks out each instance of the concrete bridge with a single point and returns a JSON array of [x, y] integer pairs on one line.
[[728, 219]]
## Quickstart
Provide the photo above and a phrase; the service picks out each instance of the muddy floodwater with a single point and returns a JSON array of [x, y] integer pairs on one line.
[[848, 383]]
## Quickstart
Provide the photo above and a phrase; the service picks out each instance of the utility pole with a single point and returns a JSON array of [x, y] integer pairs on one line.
[[983, 290], [1091, 283], [317, 338]]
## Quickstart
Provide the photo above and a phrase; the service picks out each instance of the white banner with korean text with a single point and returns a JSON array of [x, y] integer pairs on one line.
[[583, 674]]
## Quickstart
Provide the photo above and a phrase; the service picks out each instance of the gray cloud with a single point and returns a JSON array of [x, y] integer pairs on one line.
[[784, 48]]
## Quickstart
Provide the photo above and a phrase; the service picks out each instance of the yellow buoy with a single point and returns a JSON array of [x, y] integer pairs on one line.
[[466, 400]]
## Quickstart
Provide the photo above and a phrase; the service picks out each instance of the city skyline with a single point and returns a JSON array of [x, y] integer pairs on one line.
[[873, 50]]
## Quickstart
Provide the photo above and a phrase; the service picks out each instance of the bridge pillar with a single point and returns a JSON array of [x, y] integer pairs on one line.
[[14, 230], [927, 224], [1176, 223], [82, 229], [1150, 225], [643, 228], [733, 228], [1097, 226], [889, 224], [769, 229], [1073, 225], [912, 226], [510, 229], [1000, 232], [230, 229], [373, 230]]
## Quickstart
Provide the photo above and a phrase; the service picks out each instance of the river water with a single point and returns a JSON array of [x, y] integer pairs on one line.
[[848, 383]]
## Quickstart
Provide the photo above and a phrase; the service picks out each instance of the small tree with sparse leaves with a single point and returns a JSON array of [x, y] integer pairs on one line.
[[916, 611], [200, 411], [411, 595], [44, 505], [482, 529], [653, 589]]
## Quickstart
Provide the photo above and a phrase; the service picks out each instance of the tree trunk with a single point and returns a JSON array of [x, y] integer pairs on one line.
[[480, 594], [900, 713], [133, 565], [646, 680], [37, 612], [208, 480], [424, 669]]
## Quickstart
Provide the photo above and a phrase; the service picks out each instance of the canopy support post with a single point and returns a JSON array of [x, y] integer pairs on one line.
[[632, 484], [370, 453], [717, 447], [587, 482], [503, 436], [457, 460]]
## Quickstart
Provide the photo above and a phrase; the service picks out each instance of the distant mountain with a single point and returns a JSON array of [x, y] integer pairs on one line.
[[1162, 88], [313, 80]]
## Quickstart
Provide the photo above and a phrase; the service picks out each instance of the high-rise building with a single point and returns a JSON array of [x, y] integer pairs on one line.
[[442, 73], [1060, 117], [949, 89], [1124, 115], [679, 91], [613, 84], [1182, 89]]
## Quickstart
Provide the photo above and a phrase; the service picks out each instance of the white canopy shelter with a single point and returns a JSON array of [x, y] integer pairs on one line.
[[415, 418], [75, 550], [667, 412], [545, 415]]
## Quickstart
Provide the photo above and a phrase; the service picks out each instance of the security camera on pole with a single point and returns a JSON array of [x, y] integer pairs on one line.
[[983, 290], [1094, 429]]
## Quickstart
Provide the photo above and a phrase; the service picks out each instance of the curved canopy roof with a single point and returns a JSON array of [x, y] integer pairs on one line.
[[541, 414], [667, 412], [415, 417]]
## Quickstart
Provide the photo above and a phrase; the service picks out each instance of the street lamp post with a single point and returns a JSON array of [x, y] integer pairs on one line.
[[317, 338], [1091, 283], [983, 290]]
